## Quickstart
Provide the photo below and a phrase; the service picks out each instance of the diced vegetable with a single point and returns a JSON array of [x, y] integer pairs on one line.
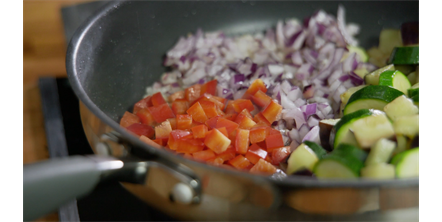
[[141, 130], [274, 141], [380, 152], [279, 155], [373, 77], [180, 106], [408, 55], [163, 130], [263, 167], [199, 132], [128, 119], [161, 112], [325, 128], [378, 171], [301, 158], [197, 113], [341, 131], [157, 99], [240, 162], [183, 122], [395, 79], [146, 117], [370, 129], [255, 153], [242, 141], [319, 151], [400, 107], [371, 97], [272, 111], [407, 163], [217, 141], [407, 125], [256, 85]]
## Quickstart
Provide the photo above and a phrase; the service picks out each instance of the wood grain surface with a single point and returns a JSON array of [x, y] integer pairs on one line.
[[44, 49]]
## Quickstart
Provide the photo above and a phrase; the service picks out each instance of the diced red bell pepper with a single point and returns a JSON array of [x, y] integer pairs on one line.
[[263, 167], [244, 121], [192, 93], [141, 130], [261, 99], [146, 117], [241, 104], [220, 100], [229, 154], [176, 135], [197, 112], [161, 113], [260, 119], [262, 145], [242, 141], [272, 112], [240, 162], [159, 141], [207, 97], [153, 143], [172, 122], [204, 155], [254, 153], [223, 130], [142, 104], [209, 87], [258, 134], [215, 161], [189, 145], [274, 141], [273, 131], [217, 141], [229, 107], [188, 155], [177, 95], [211, 123], [209, 108], [279, 155], [180, 106], [256, 85], [183, 122], [199, 131], [231, 116], [129, 119], [163, 130], [157, 99], [230, 125]]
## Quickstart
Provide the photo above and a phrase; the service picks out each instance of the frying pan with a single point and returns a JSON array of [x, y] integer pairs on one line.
[[118, 51]]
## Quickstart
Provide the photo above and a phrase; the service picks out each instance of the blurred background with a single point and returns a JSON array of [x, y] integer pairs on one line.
[[44, 51]]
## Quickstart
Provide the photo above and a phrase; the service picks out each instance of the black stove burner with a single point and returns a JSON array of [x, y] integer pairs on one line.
[[109, 202]]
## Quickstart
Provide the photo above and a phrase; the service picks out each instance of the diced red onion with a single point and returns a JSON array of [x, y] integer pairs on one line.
[[313, 135]]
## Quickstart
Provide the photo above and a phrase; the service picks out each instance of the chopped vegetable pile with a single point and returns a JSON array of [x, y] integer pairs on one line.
[[270, 104]]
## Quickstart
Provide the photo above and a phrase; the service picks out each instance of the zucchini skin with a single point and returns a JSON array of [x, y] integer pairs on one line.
[[408, 55]]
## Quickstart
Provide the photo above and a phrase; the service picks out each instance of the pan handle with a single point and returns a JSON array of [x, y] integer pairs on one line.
[[49, 184]]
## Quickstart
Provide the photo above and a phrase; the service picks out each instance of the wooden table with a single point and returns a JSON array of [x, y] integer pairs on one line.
[[44, 50]]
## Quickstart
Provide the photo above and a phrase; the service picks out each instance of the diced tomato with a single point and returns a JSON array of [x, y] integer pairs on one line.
[[223, 130], [141, 130], [129, 119], [177, 95], [273, 131], [183, 122], [230, 125], [242, 141], [274, 141], [272, 112], [172, 122], [231, 116], [142, 104], [176, 135], [153, 143], [229, 107], [209, 108], [261, 99], [279, 155], [161, 113], [197, 112], [163, 130], [244, 121], [204, 155], [240, 162], [229, 154], [260, 119], [146, 117], [192, 93], [189, 145], [157, 99], [180, 106], [254, 153], [241, 104], [209, 87], [258, 134], [199, 131], [211, 123], [263, 167], [217, 141], [256, 85], [215, 161]]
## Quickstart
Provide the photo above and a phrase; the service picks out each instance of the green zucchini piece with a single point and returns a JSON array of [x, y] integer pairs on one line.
[[341, 131], [347, 94], [301, 158], [407, 55], [399, 107], [371, 97], [319, 151], [414, 90], [407, 125], [378, 171], [363, 56], [380, 152], [370, 129], [415, 98], [395, 79], [345, 162], [373, 77], [407, 163]]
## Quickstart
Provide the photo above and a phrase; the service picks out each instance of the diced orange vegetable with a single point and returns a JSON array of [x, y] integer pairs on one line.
[[263, 167], [180, 106], [256, 85], [192, 93], [217, 141], [280, 155], [209, 108], [209, 87], [229, 107], [129, 119], [176, 135], [142, 104], [199, 131], [159, 141], [215, 161], [197, 112], [146, 117], [183, 122], [272, 112], [177, 95], [273, 131], [240, 162], [258, 134], [158, 99], [141, 130], [223, 130], [242, 141], [163, 130], [241, 104], [261, 99], [254, 153], [221, 100], [211, 123], [229, 154], [274, 141], [262, 145], [204, 155], [153, 143], [260, 119], [244, 121], [230, 125], [161, 113], [231, 116], [207, 97], [189, 145], [172, 122]]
